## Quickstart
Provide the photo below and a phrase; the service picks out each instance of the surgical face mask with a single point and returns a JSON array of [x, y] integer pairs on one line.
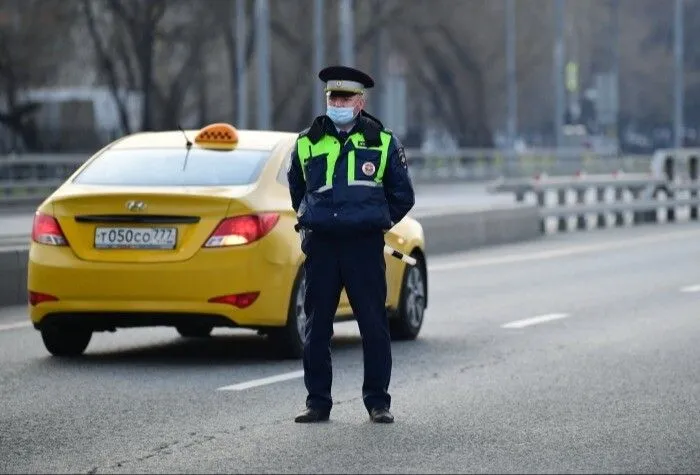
[[341, 115]]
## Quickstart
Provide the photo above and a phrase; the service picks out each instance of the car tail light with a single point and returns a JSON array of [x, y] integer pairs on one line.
[[46, 230], [237, 300], [35, 298], [240, 230]]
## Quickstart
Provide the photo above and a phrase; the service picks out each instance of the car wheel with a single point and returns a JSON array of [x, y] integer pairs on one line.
[[194, 331], [409, 317], [288, 341], [65, 341]]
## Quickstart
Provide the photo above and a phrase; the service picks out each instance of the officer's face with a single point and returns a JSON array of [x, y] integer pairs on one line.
[[356, 101]]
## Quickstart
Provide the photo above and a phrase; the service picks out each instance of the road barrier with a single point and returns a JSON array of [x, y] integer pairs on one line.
[[26, 180], [676, 164], [13, 275], [489, 164], [586, 201]]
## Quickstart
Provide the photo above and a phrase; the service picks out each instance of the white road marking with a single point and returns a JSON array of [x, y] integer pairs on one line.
[[553, 254], [691, 288], [535, 320], [263, 381], [14, 326]]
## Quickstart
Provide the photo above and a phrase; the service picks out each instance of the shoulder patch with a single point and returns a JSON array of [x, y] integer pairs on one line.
[[402, 156]]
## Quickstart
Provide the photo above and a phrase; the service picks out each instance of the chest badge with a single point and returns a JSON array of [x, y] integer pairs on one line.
[[368, 168]]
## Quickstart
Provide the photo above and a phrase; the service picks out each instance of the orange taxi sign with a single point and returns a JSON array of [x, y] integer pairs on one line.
[[219, 135]]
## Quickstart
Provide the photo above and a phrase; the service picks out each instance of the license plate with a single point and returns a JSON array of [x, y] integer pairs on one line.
[[135, 238]]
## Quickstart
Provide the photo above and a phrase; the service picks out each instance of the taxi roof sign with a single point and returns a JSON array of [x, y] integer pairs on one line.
[[220, 135]]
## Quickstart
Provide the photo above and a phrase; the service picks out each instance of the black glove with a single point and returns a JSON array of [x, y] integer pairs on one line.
[[305, 235]]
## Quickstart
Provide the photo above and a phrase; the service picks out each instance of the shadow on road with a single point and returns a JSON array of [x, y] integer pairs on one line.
[[223, 350]]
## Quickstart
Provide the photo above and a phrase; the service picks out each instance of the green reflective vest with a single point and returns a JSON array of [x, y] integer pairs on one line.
[[330, 147]]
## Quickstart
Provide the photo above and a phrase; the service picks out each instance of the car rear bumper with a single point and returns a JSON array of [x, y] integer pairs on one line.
[[111, 320], [161, 293]]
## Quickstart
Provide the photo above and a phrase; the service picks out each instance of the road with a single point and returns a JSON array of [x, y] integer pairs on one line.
[[577, 353], [15, 227]]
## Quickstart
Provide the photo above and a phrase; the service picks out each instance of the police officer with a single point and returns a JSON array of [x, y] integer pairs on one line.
[[349, 184]]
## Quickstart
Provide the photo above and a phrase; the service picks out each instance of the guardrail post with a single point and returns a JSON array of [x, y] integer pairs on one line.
[[600, 198], [541, 202], [619, 197], [651, 216], [670, 210], [638, 216], [669, 168], [693, 175], [561, 195], [581, 199], [541, 198], [669, 171]]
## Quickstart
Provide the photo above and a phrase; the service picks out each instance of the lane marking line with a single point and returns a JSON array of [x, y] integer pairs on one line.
[[263, 381], [14, 326], [535, 320], [553, 254], [691, 288]]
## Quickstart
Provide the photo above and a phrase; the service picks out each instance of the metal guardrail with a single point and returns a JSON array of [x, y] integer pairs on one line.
[[39, 166], [577, 183], [489, 164], [28, 179], [14, 241], [591, 200]]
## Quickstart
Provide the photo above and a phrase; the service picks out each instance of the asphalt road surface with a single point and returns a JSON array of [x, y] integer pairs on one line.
[[16, 226], [575, 354]]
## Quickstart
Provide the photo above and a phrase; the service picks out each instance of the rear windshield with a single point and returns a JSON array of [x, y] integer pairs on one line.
[[174, 167]]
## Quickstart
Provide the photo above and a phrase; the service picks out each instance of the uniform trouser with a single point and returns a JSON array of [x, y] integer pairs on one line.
[[356, 263]]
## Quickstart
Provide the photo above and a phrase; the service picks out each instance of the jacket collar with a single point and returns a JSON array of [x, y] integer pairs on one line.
[[365, 123]]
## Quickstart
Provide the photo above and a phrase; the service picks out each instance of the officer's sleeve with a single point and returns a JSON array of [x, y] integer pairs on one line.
[[295, 177], [397, 182]]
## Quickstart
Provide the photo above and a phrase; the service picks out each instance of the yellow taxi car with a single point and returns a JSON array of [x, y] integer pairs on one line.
[[193, 230]]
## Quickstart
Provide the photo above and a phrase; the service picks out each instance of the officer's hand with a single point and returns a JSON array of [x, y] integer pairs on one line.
[[305, 235]]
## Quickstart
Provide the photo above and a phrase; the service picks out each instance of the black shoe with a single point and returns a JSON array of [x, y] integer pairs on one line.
[[312, 415], [381, 415]]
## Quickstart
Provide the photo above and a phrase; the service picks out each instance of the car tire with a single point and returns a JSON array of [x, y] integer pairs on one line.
[[288, 341], [65, 341], [408, 319], [194, 331]]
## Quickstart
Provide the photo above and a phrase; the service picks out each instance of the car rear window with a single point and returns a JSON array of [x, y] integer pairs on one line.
[[174, 167]]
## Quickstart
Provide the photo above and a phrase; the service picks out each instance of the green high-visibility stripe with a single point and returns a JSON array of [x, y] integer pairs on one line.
[[330, 147]]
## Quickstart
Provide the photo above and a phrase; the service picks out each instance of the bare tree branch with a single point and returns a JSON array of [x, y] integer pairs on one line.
[[107, 65]]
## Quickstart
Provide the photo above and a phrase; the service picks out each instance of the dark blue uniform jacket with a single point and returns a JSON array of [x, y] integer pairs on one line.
[[344, 209]]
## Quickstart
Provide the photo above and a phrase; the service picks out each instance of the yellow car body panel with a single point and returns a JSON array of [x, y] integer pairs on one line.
[[86, 280]]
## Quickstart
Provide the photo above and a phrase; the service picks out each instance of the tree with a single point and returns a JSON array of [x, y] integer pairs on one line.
[[181, 55], [29, 56], [152, 47]]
